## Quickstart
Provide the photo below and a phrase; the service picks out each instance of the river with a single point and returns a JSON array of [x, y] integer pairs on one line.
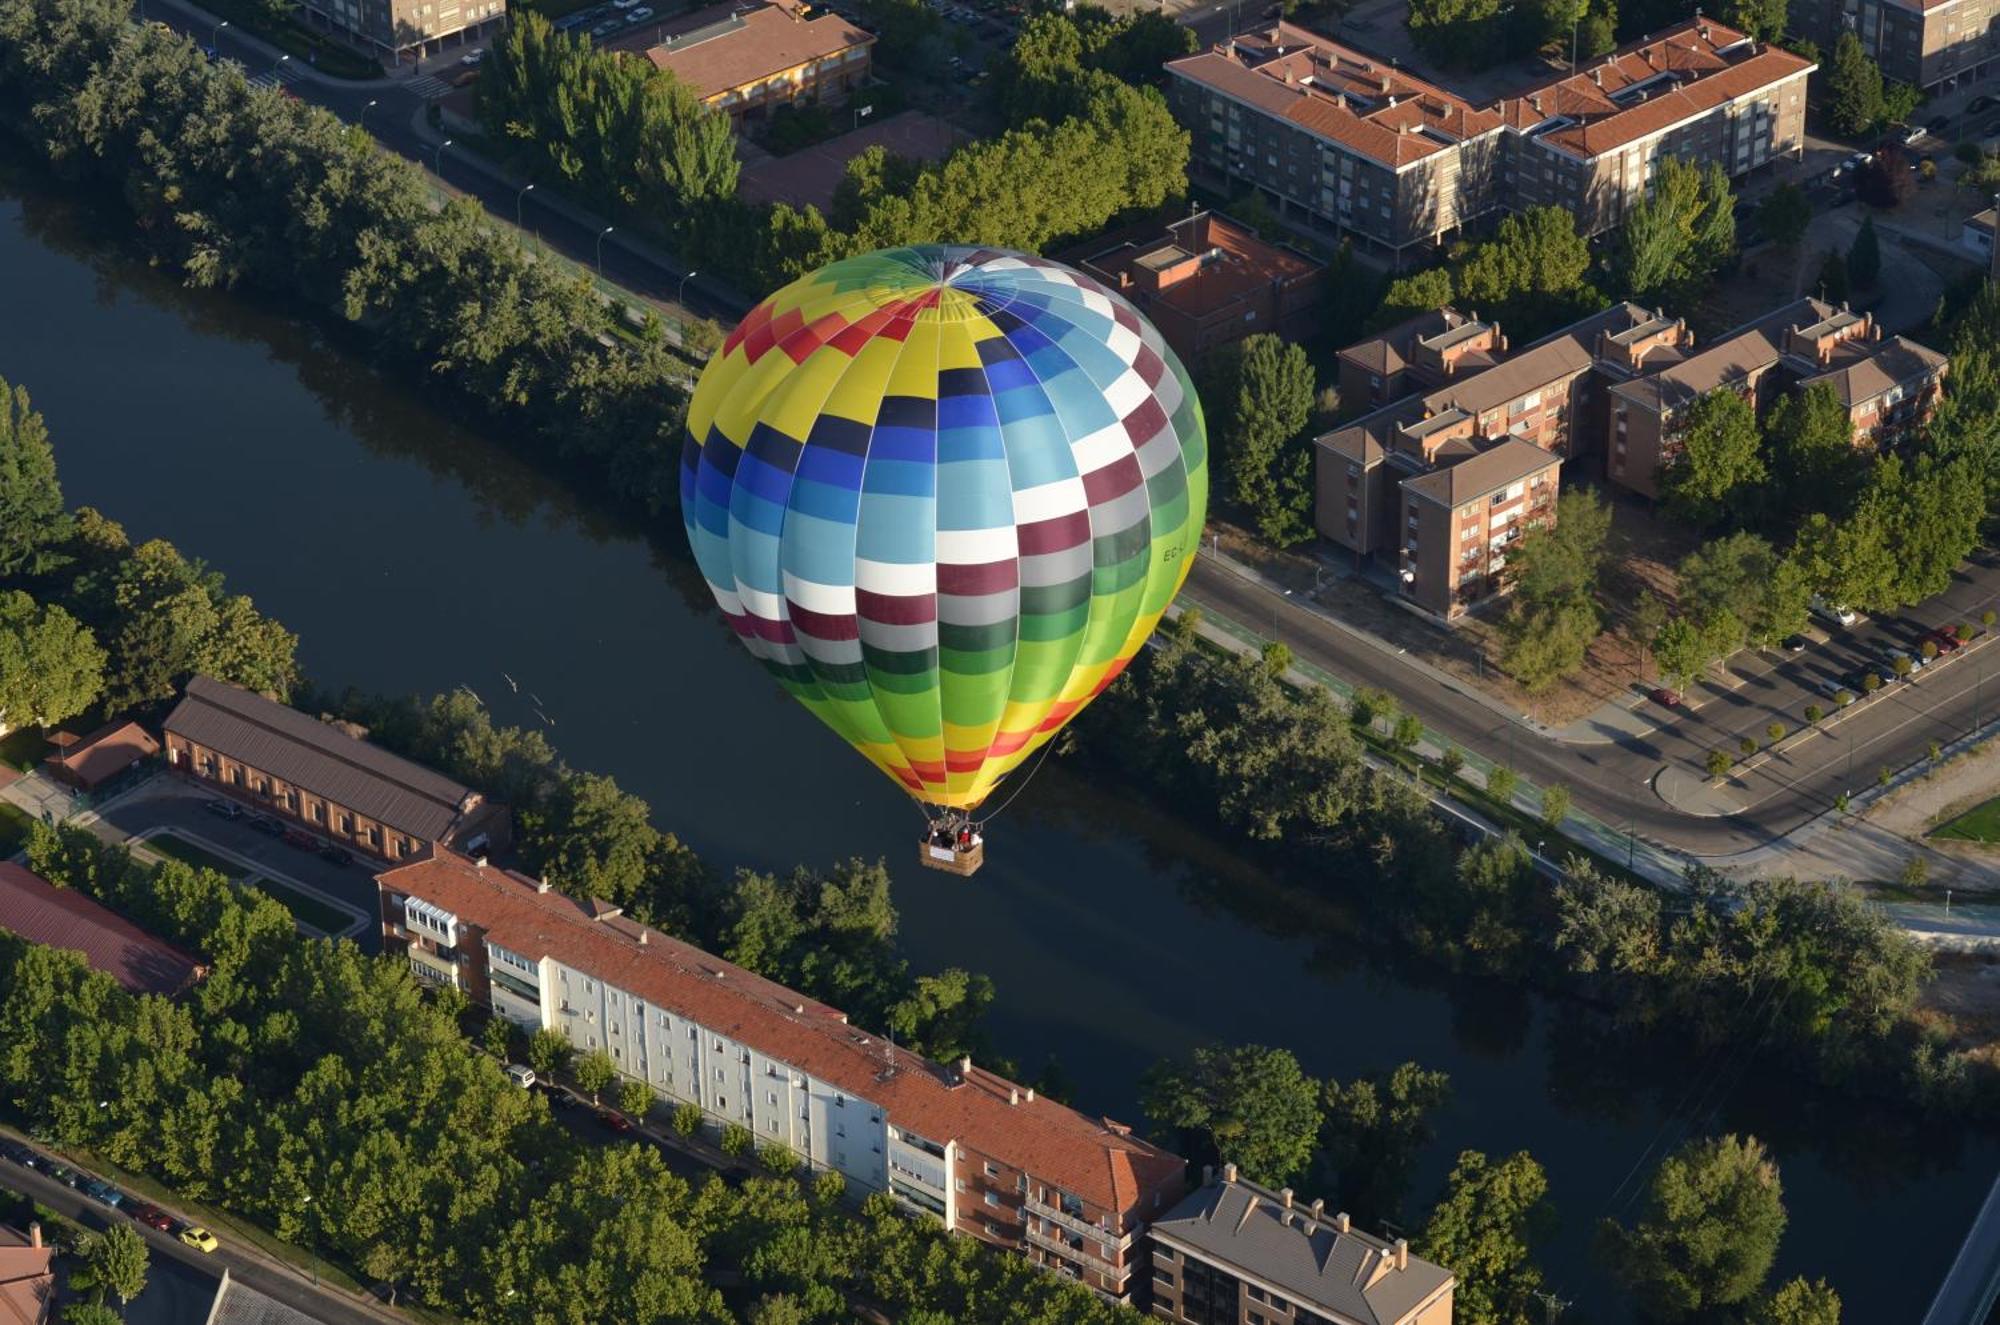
[[412, 553]]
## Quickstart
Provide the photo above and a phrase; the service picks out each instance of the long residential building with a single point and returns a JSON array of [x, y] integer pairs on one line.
[[323, 777], [747, 60], [408, 29], [983, 1155], [1935, 45], [1234, 1253], [1347, 147]]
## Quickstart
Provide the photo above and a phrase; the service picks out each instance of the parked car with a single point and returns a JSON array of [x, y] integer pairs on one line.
[[1946, 639], [194, 1235], [521, 1075], [19, 1153], [1979, 103], [1938, 123], [335, 855], [615, 1121], [607, 27], [1833, 687], [1833, 612], [300, 838], [266, 825], [223, 809], [103, 1193], [145, 1212], [559, 1099], [1890, 657], [639, 15], [66, 1175], [1795, 644], [472, 59], [1662, 695]]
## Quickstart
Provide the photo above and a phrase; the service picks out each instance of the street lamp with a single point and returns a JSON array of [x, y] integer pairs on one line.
[[600, 247], [278, 64], [215, 33], [526, 189], [437, 161], [361, 122], [681, 295]]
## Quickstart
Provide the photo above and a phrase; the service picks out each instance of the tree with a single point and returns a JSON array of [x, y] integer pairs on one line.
[[594, 1071], [1864, 256], [1533, 274], [548, 1053], [114, 1262], [1555, 805], [1719, 762], [1738, 591], [1717, 466], [1409, 730], [1501, 783], [33, 519], [1814, 465], [90, 1313], [597, 839], [1485, 1227], [1799, 1302], [1375, 1129], [1833, 282], [635, 1098], [1853, 89], [1261, 398], [687, 1119], [1886, 181], [51, 668], [1245, 1104], [1713, 1217], [1423, 291], [1786, 212], [1763, 19], [1456, 32], [1678, 234]]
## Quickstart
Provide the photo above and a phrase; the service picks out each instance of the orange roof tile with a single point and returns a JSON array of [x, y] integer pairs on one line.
[[1092, 1158], [729, 46]]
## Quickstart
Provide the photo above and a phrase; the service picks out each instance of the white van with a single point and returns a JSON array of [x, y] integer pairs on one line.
[[521, 1075]]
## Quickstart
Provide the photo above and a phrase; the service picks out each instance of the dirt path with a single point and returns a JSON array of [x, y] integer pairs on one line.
[[1955, 787]]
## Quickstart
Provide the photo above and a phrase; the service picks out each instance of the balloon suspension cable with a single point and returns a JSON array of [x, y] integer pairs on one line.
[[1022, 785]]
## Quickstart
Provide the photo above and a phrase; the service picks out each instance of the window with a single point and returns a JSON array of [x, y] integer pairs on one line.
[[960, 1184], [718, 1074], [773, 1096], [318, 813], [1256, 1294], [236, 776], [721, 1103], [991, 1199], [992, 1170], [347, 823]]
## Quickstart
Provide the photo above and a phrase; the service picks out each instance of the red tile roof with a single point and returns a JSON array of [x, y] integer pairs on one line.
[[731, 45], [27, 1279], [42, 913], [1234, 262], [1092, 1158], [1339, 94], [1704, 65], [104, 753]]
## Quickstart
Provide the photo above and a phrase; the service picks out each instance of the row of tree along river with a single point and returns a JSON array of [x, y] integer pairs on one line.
[[411, 554]]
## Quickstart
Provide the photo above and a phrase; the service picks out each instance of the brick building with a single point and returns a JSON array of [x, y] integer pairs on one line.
[[64, 918], [1932, 44], [1347, 148], [746, 60], [1888, 384], [85, 763], [980, 1154], [409, 29], [1389, 482], [1425, 351], [1234, 1253], [27, 1276], [323, 777], [1210, 281]]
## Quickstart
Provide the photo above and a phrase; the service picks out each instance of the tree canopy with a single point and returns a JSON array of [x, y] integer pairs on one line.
[[1259, 398], [1247, 1105], [1713, 1218]]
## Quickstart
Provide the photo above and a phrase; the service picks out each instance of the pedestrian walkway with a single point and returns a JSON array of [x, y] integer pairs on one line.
[[429, 87], [284, 75]]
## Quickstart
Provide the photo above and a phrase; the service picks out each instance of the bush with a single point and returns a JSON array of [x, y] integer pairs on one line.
[[1935, 751], [1969, 152], [1776, 732], [1927, 170], [1501, 783], [1813, 714], [1747, 744], [1928, 649], [1965, 632], [1409, 731], [1871, 681], [1988, 617], [1916, 870], [1720, 762], [1450, 761], [1883, 776]]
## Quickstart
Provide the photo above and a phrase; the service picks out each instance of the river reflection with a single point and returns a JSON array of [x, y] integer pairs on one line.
[[414, 552]]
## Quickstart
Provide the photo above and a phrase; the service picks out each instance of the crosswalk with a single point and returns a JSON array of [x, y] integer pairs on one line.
[[283, 74], [427, 87]]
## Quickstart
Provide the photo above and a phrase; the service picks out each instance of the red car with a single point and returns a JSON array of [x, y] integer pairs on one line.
[[1946, 640], [1662, 695], [300, 838], [151, 1216], [615, 1121]]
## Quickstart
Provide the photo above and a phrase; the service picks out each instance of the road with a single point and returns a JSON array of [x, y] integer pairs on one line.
[[294, 1291], [1972, 1285], [1613, 778]]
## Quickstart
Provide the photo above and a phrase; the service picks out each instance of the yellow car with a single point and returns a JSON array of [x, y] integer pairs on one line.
[[199, 1238]]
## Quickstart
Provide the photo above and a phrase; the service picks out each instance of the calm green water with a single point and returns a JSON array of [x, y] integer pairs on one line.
[[413, 554]]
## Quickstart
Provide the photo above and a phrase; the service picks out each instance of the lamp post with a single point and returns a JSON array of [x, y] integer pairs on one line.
[[361, 121], [215, 33], [680, 296], [526, 189], [278, 64], [600, 247], [437, 161], [312, 1243]]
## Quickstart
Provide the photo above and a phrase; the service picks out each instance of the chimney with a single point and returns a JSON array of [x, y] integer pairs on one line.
[[1318, 1207], [1207, 1174], [1229, 1173], [1285, 1196], [1402, 1253], [643, 939], [1597, 75], [479, 862], [35, 1235], [1342, 1223], [965, 1065], [1013, 1096], [1385, 85], [542, 884], [1030, 1096], [1536, 102]]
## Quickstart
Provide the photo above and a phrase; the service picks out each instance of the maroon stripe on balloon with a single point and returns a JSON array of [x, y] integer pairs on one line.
[[1122, 313], [1150, 366], [885, 609], [1113, 481], [992, 577], [824, 625], [775, 632], [1145, 422], [1058, 533]]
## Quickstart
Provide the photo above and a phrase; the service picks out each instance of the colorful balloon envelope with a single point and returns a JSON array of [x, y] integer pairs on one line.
[[945, 494]]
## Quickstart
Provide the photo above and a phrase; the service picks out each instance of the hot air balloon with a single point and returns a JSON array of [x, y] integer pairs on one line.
[[944, 494]]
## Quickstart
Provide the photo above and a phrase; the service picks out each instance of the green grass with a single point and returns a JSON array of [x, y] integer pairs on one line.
[[1981, 823], [14, 824], [172, 844], [22, 748], [306, 908]]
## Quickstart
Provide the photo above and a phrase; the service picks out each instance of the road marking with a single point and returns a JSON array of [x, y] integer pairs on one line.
[[429, 88]]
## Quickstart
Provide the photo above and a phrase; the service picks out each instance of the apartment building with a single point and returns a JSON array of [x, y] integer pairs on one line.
[[1933, 44], [981, 1154], [1342, 144], [747, 60], [402, 30], [1210, 281], [1888, 384], [1348, 148], [323, 777], [1590, 142], [1448, 479], [1419, 353], [1234, 1253]]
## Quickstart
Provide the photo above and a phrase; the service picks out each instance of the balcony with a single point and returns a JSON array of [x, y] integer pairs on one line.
[[1077, 1255], [1062, 1218]]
